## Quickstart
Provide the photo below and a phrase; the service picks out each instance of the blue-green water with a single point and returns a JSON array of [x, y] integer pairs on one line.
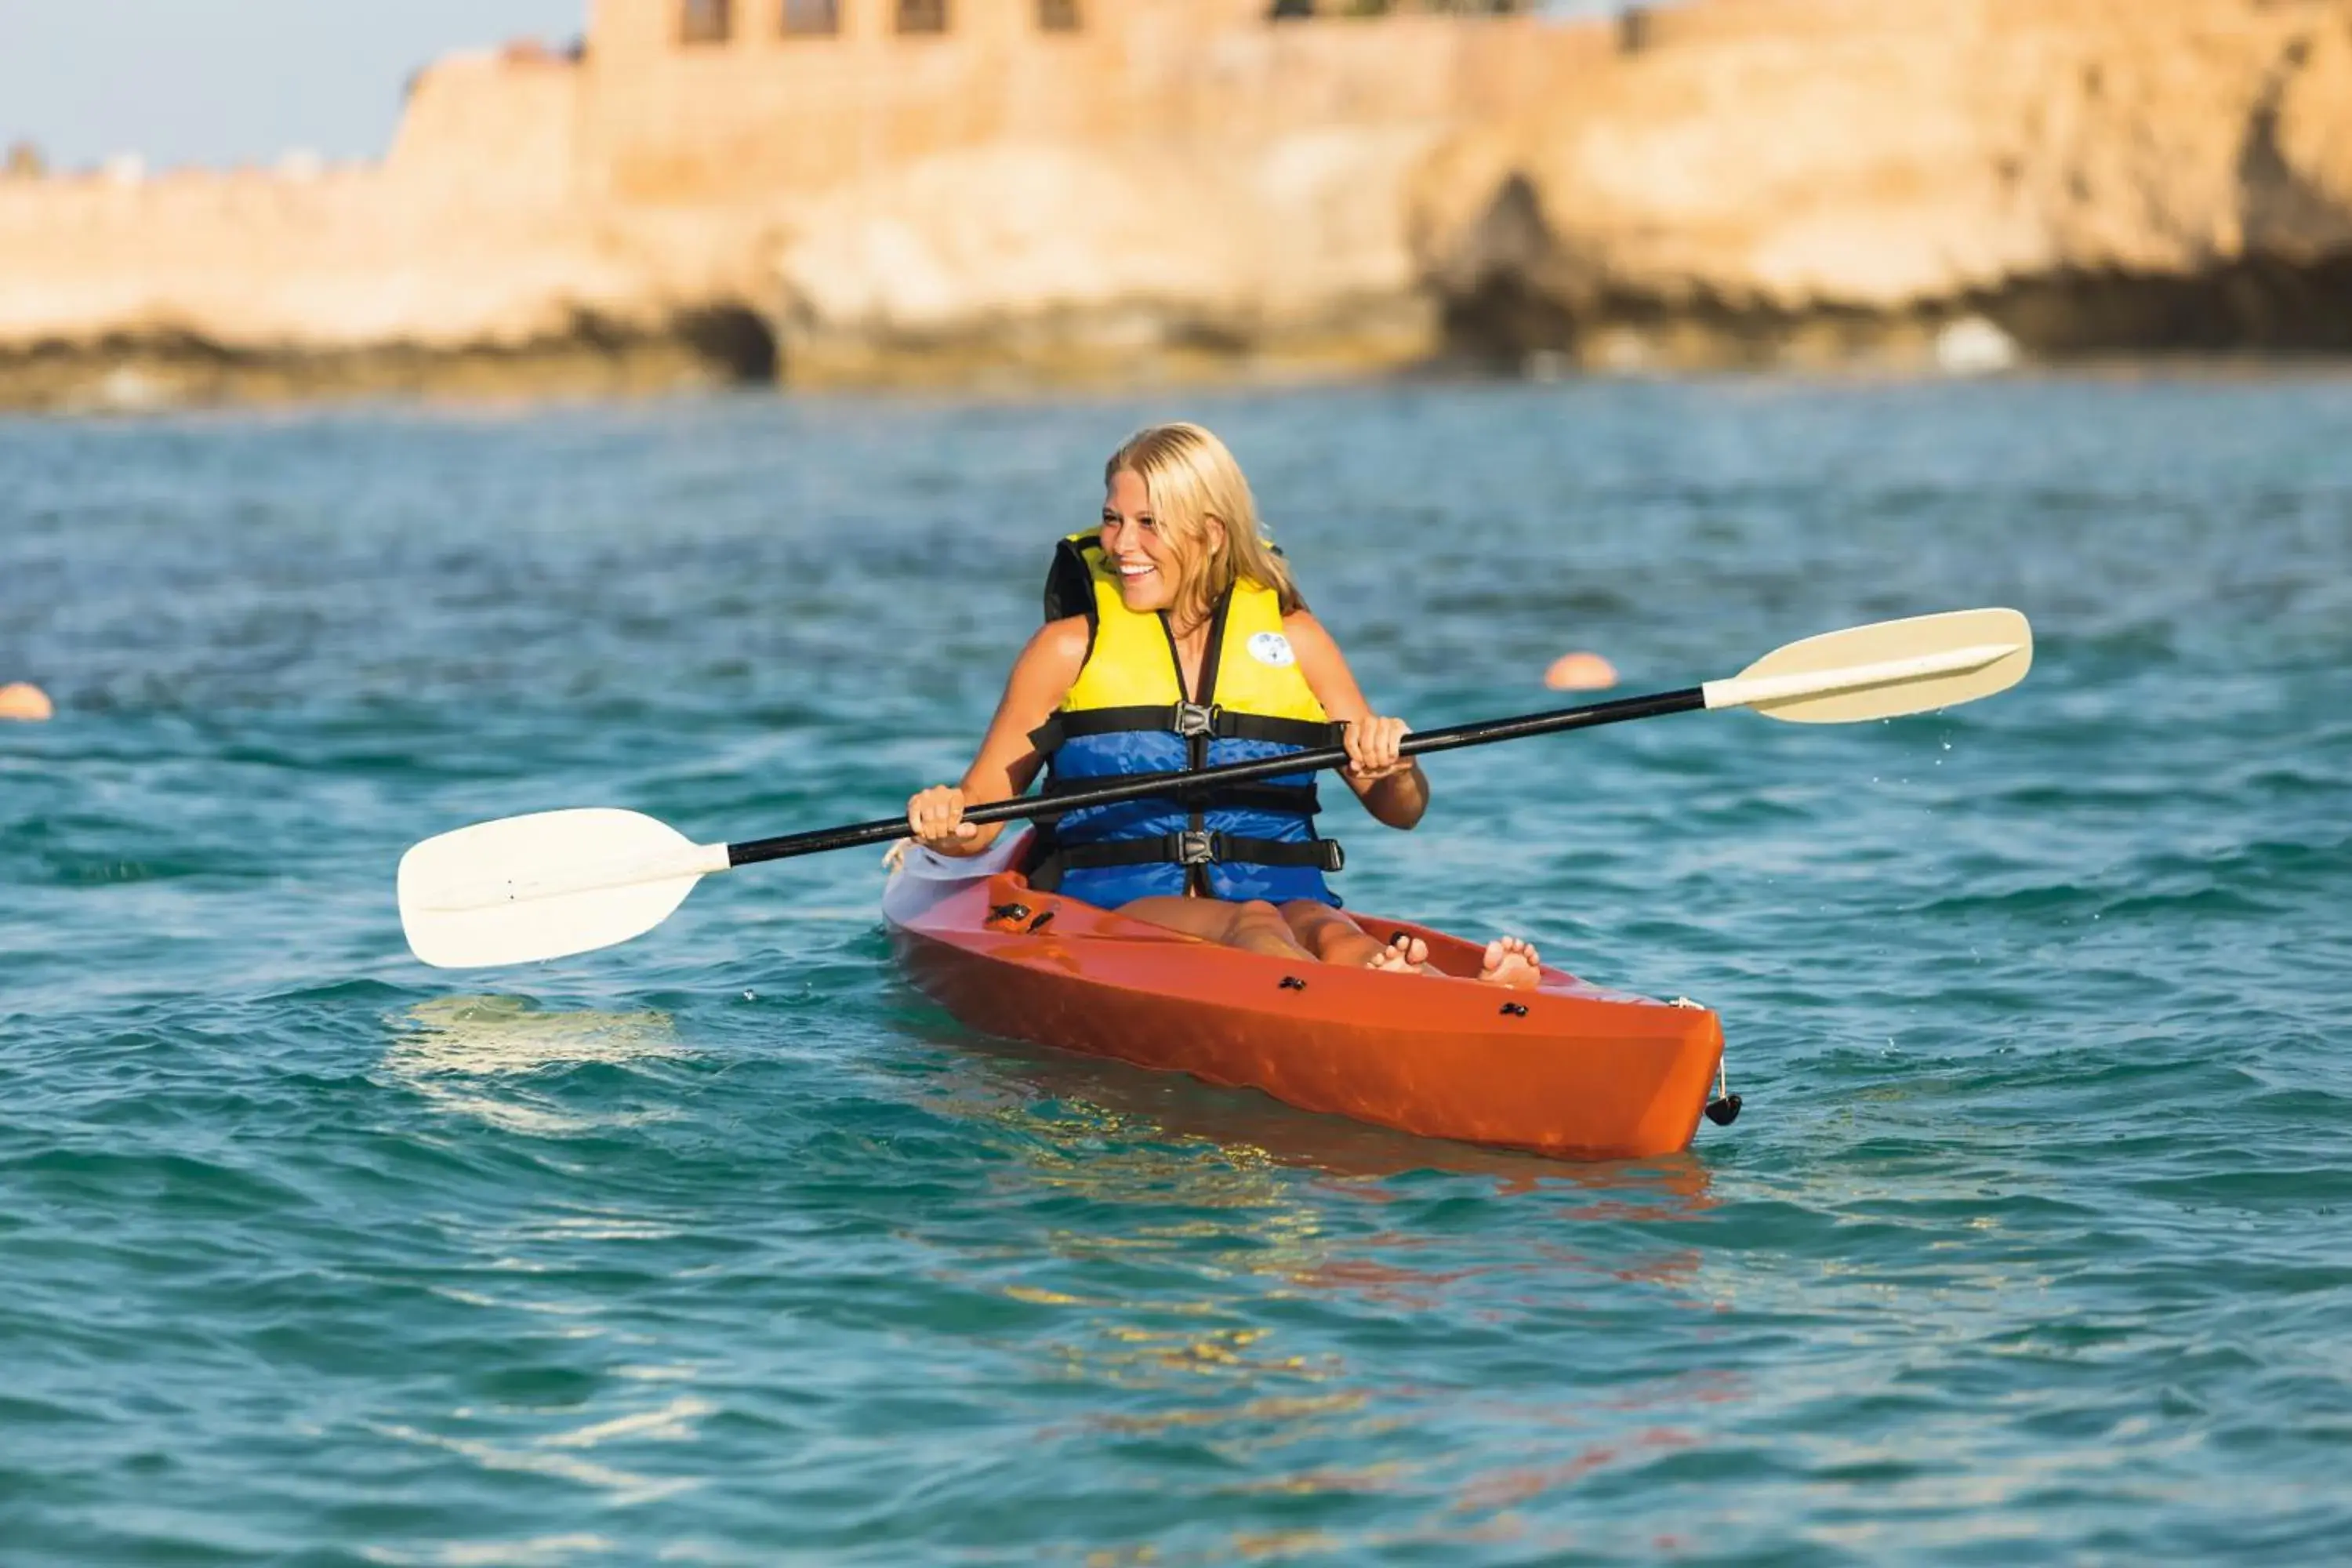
[[2035, 1244]]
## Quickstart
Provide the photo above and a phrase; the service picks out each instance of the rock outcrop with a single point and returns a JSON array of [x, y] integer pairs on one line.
[[1817, 179], [1095, 264], [1721, 181], [1172, 186]]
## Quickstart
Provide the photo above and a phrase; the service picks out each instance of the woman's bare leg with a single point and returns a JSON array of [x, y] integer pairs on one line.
[[1336, 938], [1253, 927], [1305, 929]]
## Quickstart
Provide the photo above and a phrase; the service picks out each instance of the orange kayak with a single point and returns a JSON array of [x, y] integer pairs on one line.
[[1565, 1070]]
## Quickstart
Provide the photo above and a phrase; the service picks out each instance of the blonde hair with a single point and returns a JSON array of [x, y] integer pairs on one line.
[[1190, 478]]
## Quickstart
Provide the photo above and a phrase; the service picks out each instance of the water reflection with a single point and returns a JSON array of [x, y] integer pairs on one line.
[[558, 1273], [469, 1054], [1250, 1241], [541, 1456], [1013, 1079], [1244, 1187]]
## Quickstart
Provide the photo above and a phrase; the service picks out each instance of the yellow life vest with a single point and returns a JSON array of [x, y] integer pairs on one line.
[[1127, 713]]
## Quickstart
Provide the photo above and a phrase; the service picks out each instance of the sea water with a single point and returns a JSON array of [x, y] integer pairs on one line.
[[2033, 1244]]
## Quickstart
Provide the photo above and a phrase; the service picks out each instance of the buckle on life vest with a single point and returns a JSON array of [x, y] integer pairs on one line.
[[1196, 719], [1195, 847]]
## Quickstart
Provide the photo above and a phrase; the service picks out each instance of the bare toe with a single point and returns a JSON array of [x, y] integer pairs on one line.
[[1511, 961], [1397, 958]]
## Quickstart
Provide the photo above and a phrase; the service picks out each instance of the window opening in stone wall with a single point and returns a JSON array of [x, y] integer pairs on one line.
[[922, 16], [812, 18], [705, 21], [1057, 15]]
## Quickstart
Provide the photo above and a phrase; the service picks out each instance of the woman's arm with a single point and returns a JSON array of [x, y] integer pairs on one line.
[[1006, 764], [1393, 788]]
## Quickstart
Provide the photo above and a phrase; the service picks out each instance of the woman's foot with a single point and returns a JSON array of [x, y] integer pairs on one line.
[[1512, 962], [1405, 954]]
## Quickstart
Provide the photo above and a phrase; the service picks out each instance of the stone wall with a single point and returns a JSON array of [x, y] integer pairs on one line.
[[873, 205], [493, 127], [1164, 193], [763, 114]]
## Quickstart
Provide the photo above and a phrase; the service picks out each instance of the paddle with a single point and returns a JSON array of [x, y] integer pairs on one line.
[[560, 882]]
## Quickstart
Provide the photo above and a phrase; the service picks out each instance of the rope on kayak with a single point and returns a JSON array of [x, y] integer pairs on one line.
[[1724, 1110]]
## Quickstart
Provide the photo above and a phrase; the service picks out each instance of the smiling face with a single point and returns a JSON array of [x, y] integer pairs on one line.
[[1159, 566]]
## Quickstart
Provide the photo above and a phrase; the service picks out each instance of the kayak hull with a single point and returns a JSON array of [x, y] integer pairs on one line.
[[1565, 1070]]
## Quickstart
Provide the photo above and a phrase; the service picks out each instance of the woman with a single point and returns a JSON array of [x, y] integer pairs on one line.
[[1176, 639]]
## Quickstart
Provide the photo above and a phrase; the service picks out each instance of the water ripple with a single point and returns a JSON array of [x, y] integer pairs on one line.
[[724, 1247]]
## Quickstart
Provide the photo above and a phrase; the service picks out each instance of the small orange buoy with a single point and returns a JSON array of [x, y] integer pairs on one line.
[[19, 701], [1581, 671]]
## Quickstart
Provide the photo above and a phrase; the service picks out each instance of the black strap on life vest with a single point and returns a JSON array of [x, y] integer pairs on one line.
[[1070, 591], [1070, 581], [1299, 800], [1188, 849], [1188, 719], [1302, 800]]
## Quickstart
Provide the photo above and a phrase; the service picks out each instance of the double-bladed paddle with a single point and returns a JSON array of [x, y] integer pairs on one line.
[[560, 882]]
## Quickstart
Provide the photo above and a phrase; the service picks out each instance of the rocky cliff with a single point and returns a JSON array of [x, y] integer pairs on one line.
[[1111, 265], [1035, 261], [1821, 179], [1725, 181]]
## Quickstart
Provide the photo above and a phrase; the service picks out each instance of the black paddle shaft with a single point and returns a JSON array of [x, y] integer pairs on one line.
[[1459, 735]]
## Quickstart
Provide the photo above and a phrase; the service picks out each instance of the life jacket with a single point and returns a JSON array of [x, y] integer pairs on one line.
[[1127, 713]]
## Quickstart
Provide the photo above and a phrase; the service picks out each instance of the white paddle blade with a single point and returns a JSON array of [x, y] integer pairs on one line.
[[1884, 670], [544, 886]]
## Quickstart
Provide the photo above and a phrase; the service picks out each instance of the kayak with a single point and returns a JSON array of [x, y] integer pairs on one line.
[[1565, 1069]]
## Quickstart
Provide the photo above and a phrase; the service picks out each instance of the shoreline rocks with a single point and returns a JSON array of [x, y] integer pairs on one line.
[[1825, 184], [1965, 186]]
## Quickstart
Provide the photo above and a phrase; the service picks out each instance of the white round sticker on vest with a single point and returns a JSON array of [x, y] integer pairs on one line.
[[1271, 648]]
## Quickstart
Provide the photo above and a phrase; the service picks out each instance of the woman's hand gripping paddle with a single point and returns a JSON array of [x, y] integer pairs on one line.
[[560, 882]]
